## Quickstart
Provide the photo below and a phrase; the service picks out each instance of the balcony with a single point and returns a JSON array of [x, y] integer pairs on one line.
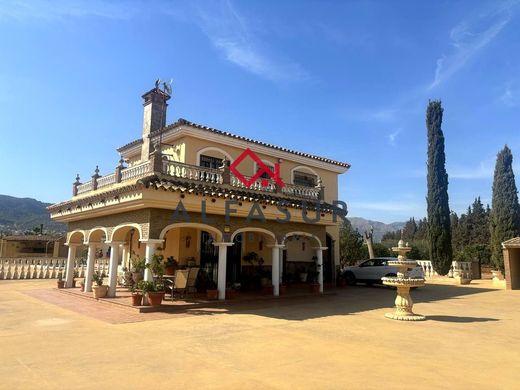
[[192, 173]]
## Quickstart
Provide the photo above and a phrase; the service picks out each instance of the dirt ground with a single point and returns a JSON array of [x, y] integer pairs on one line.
[[51, 340]]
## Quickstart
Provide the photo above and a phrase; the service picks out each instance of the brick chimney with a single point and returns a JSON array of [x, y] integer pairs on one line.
[[155, 105]]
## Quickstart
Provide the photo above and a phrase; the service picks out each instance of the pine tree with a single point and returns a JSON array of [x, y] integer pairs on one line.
[[505, 210], [439, 229]]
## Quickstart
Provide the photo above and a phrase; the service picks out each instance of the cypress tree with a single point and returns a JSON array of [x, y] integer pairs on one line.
[[505, 210], [439, 227]]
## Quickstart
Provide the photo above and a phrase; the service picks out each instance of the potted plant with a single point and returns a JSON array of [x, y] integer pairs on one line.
[[76, 274], [61, 282], [211, 290], [282, 289], [154, 290], [138, 267], [99, 289], [127, 278], [170, 265], [137, 296]]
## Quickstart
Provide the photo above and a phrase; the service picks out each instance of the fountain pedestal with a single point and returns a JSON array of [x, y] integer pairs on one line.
[[403, 283]]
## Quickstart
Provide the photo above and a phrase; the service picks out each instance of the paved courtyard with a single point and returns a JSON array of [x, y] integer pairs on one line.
[[52, 340]]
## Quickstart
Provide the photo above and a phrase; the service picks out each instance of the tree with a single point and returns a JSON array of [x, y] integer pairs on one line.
[[439, 228], [351, 246], [505, 210]]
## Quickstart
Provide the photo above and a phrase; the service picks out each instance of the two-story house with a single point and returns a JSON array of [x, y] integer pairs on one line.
[[189, 191]]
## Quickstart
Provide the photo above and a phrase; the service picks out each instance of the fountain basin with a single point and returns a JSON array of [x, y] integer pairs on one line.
[[396, 281]]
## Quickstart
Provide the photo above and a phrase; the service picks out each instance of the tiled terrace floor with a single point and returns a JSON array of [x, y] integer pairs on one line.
[[50, 340]]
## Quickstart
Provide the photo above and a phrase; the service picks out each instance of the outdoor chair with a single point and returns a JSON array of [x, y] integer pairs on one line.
[[192, 280], [180, 283]]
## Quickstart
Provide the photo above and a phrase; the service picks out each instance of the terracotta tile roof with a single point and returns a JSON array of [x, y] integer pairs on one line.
[[223, 191], [181, 122], [512, 243]]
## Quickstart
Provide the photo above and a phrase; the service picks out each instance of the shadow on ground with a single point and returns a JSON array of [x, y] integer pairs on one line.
[[345, 301]]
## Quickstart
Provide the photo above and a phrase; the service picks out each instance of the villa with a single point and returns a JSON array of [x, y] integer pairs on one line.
[[210, 199]]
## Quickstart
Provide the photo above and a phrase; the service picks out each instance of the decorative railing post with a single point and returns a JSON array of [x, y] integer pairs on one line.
[[75, 186], [156, 159], [224, 171], [321, 189], [119, 168], [95, 178]]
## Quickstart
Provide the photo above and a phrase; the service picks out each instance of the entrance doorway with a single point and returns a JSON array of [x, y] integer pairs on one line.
[[234, 261]]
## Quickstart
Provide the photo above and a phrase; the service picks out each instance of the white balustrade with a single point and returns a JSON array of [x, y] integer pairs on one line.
[[85, 187], [301, 191], [136, 171], [106, 180], [192, 172], [457, 268]]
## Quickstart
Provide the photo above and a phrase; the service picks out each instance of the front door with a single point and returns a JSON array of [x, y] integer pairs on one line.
[[234, 261], [208, 256]]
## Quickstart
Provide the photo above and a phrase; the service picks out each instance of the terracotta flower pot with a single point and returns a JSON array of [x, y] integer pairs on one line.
[[231, 294], [170, 271], [137, 299], [315, 288], [61, 283], [283, 289], [155, 298], [267, 290], [99, 291], [73, 283], [212, 294]]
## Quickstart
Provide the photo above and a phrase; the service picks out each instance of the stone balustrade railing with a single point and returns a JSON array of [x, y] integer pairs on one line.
[[457, 268], [191, 172], [12, 268]]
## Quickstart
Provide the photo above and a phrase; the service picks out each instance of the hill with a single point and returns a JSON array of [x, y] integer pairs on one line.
[[19, 214], [380, 228]]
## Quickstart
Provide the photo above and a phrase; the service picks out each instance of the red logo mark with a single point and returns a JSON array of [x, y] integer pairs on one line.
[[262, 168]]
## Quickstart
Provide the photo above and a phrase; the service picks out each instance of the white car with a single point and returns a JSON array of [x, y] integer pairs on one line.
[[371, 271]]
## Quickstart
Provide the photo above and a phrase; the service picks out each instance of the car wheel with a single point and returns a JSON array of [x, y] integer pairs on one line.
[[350, 278]]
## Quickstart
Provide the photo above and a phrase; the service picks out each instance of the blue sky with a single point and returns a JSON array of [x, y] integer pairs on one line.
[[346, 80]]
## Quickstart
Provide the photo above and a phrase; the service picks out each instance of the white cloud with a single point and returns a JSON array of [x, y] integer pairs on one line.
[[511, 95], [230, 33], [469, 37], [47, 10], [392, 137]]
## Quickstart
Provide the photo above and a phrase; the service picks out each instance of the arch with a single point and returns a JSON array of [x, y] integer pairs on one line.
[[76, 237], [94, 233], [215, 149], [302, 234], [254, 229], [121, 227], [200, 226], [303, 168]]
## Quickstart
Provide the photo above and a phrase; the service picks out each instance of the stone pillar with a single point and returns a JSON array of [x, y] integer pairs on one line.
[[91, 259], [275, 274], [281, 249], [319, 266], [222, 268], [151, 246], [112, 269], [70, 264], [124, 256], [75, 186]]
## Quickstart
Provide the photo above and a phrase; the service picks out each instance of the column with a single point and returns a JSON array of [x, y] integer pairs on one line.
[[151, 246], [124, 256], [275, 268], [319, 266], [69, 271], [222, 268], [90, 266], [281, 249], [112, 273]]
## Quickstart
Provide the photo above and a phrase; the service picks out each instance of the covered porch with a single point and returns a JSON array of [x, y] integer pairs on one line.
[[251, 260]]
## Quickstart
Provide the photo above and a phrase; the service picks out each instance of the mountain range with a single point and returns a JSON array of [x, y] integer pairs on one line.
[[362, 225], [21, 214]]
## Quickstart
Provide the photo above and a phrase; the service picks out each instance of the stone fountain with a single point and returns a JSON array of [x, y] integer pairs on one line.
[[403, 283]]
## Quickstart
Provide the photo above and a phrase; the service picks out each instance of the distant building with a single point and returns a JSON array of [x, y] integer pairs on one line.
[[33, 246], [174, 186]]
